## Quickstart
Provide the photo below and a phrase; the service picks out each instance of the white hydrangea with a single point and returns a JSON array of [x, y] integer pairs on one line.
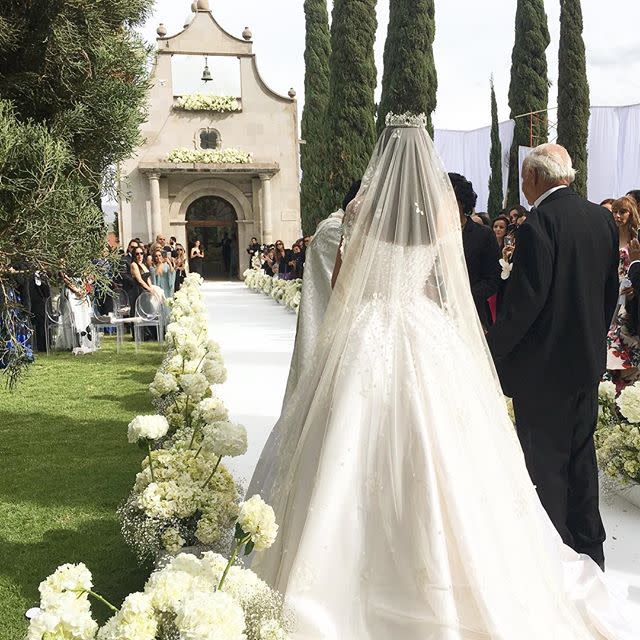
[[210, 411], [607, 391], [135, 620], [258, 520], [225, 439], [195, 385], [147, 427], [163, 384], [65, 611], [172, 540], [629, 403], [204, 616], [214, 371], [271, 630], [208, 530], [168, 588]]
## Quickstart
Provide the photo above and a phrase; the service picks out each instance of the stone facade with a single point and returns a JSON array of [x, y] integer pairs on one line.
[[157, 194]]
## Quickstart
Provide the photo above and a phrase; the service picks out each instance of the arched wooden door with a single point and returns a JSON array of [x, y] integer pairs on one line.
[[213, 221]]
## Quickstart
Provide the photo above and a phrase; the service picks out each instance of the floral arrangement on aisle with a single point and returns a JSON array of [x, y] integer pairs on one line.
[[209, 156], [618, 433], [286, 292], [183, 495], [202, 102], [190, 598]]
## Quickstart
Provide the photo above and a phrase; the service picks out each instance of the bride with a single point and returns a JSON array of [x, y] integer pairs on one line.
[[405, 506]]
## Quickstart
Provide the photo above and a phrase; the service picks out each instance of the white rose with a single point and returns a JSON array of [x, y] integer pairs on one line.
[[210, 615], [147, 427], [258, 520], [225, 439]]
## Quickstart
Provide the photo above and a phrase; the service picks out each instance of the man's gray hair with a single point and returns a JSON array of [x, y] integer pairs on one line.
[[552, 162]]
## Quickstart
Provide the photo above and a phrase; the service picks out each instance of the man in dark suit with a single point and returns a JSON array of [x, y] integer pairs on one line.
[[549, 342], [481, 250]]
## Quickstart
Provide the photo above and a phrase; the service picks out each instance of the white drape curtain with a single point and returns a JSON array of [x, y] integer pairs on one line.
[[613, 146]]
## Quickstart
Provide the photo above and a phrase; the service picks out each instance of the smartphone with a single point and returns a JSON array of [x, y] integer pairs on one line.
[[509, 241]]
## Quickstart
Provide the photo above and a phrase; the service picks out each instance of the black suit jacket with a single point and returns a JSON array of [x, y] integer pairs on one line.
[[482, 255], [551, 330], [633, 306]]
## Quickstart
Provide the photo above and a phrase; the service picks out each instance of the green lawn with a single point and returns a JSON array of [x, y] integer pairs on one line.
[[66, 466]]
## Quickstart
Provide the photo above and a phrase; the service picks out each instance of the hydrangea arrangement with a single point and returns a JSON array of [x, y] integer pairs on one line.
[[202, 102], [194, 598], [286, 292], [618, 433], [209, 156]]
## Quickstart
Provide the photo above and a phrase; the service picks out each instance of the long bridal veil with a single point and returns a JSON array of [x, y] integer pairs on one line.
[[395, 473]]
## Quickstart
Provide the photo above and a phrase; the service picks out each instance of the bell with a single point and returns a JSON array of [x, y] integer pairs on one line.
[[206, 74]]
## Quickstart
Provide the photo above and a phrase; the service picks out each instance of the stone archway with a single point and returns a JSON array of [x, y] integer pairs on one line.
[[213, 221]]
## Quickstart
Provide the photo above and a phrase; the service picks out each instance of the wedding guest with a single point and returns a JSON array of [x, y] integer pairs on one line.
[[180, 264], [269, 261], [39, 291], [141, 276], [196, 258], [481, 250], [226, 245], [635, 194], [607, 203], [500, 226], [163, 274], [623, 352], [516, 213], [252, 249], [282, 260], [549, 342]]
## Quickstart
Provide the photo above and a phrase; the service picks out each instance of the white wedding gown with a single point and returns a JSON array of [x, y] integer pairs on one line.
[[405, 508]]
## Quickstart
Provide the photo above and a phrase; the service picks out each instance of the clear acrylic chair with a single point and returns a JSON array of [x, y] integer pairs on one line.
[[58, 326], [150, 312], [112, 320]]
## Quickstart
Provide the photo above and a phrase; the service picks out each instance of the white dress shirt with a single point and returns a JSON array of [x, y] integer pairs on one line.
[[546, 194]]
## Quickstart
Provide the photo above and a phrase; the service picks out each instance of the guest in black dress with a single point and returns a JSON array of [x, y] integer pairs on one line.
[[196, 258], [180, 263]]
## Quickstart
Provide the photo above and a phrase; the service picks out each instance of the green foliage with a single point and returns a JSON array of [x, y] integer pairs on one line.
[[410, 79], [573, 91], [314, 203], [529, 88], [75, 73], [79, 67], [496, 194], [67, 466], [351, 113]]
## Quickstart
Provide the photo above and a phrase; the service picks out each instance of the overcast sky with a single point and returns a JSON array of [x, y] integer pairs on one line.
[[473, 39]]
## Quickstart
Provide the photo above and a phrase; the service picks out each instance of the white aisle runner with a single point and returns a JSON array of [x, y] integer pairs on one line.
[[256, 336]]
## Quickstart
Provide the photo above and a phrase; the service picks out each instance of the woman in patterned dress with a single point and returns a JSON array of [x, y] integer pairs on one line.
[[623, 354]]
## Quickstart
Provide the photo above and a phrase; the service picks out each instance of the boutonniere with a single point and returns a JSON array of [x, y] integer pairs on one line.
[[506, 269]]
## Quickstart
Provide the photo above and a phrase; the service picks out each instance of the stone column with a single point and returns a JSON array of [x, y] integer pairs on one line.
[[156, 213], [267, 214]]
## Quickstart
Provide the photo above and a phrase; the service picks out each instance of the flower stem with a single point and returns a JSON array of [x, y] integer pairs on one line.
[[198, 452], [212, 473], [232, 559], [97, 596], [153, 479]]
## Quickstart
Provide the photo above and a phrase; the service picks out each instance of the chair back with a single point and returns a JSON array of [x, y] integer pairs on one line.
[[54, 308], [149, 307], [121, 304]]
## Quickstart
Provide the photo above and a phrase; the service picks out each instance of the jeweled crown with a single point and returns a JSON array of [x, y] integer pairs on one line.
[[407, 119]]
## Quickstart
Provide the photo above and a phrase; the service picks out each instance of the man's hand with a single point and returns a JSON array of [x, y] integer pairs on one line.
[[634, 250]]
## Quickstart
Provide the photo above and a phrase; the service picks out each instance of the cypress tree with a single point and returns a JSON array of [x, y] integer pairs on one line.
[[313, 196], [351, 113], [573, 91], [529, 88], [496, 196], [410, 80]]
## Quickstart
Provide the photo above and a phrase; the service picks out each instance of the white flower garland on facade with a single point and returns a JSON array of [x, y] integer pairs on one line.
[[202, 102], [208, 156]]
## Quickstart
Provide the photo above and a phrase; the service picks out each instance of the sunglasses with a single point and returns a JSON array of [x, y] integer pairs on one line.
[[138, 253]]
